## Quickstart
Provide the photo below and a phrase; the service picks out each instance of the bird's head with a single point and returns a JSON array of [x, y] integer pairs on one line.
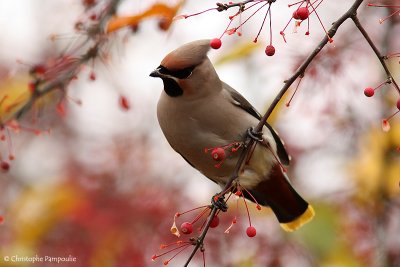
[[187, 71]]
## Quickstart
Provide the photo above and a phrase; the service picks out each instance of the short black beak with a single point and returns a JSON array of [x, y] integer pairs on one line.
[[156, 73]]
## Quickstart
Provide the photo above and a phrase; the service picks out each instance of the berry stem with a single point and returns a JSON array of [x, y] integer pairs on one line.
[[185, 245], [270, 24], [174, 243], [253, 198], [241, 24], [226, 29], [199, 215], [391, 116], [181, 213], [262, 25], [312, 11], [320, 21], [247, 210]]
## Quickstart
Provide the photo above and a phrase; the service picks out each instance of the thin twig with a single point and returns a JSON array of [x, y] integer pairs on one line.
[[223, 7]]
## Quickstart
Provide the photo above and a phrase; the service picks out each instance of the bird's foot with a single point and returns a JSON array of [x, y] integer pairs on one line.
[[257, 136], [219, 202]]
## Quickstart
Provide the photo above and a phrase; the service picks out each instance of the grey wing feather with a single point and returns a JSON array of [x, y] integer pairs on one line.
[[241, 102]]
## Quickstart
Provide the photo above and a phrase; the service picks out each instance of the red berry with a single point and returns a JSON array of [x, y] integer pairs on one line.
[[38, 69], [398, 104], [187, 228], [1, 219], [214, 222], [134, 28], [216, 43], [163, 24], [251, 231], [31, 87], [218, 154], [295, 15], [301, 14], [270, 50], [369, 91], [60, 108], [124, 103], [5, 166], [238, 193], [88, 3], [92, 76]]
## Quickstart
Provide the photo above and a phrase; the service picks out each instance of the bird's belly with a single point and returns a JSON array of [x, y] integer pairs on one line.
[[197, 147], [195, 138], [196, 144]]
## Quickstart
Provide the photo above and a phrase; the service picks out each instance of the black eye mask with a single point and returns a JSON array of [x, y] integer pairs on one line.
[[180, 74]]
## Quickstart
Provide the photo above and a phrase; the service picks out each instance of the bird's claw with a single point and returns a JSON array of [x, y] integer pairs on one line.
[[219, 202], [257, 136]]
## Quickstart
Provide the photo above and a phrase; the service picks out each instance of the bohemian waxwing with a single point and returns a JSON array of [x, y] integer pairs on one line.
[[197, 110]]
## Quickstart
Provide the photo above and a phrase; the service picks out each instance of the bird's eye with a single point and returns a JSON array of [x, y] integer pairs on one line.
[[184, 73], [163, 70], [180, 74]]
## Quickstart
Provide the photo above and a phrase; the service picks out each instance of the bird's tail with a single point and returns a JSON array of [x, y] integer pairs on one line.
[[289, 207]]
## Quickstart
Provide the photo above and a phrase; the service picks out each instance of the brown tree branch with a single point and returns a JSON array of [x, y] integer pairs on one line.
[[376, 51], [250, 142]]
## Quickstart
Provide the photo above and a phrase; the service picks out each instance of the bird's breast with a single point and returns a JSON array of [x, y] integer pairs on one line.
[[195, 128]]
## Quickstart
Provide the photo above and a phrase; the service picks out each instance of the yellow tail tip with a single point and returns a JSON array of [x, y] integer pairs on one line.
[[299, 221]]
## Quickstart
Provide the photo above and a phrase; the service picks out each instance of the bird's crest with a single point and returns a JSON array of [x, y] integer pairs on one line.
[[188, 55]]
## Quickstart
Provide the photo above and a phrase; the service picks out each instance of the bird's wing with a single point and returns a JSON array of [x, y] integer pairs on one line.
[[241, 102], [191, 164]]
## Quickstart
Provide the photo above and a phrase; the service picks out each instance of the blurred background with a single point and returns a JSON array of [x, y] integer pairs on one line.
[[87, 173]]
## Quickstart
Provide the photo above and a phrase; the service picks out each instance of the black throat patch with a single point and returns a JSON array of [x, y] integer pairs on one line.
[[172, 88]]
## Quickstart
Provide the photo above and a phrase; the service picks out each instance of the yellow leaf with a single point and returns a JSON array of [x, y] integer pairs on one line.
[[238, 52], [40, 208], [14, 93], [393, 178]]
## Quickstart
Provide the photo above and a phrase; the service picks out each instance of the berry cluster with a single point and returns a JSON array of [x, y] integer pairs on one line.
[[303, 11], [188, 227], [250, 230]]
